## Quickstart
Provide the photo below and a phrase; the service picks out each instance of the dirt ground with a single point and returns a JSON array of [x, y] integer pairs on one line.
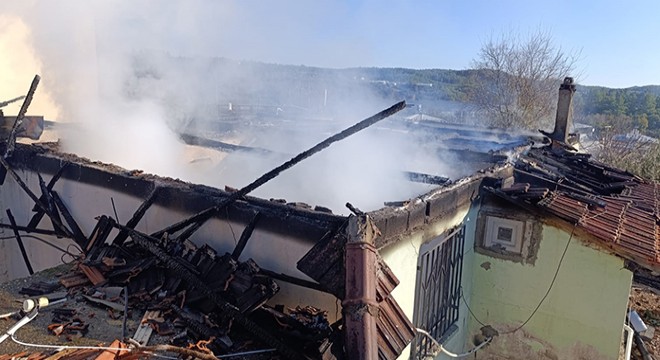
[[646, 301], [102, 329]]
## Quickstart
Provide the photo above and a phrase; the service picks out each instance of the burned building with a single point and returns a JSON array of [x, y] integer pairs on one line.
[[461, 268]]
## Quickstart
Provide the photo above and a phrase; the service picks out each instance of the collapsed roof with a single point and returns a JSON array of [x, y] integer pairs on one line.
[[618, 210]]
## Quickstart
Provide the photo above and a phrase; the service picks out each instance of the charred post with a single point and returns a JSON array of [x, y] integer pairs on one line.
[[34, 198], [21, 246], [11, 140], [137, 216], [245, 236], [78, 235], [40, 214]]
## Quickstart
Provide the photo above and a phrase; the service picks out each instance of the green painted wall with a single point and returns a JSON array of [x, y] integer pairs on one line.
[[582, 316]]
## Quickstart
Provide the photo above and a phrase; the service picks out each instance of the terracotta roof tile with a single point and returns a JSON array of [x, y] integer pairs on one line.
[[623, 215]]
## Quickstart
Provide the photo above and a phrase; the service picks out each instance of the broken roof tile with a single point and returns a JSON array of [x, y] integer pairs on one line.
[[618, 209]]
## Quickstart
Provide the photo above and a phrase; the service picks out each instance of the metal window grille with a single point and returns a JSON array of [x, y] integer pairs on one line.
[[437, 298]]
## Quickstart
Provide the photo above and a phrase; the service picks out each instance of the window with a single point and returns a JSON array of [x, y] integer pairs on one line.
[[504, 233], [437, 297], [508, 234]]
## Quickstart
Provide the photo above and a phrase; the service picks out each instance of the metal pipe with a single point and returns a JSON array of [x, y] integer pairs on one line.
[[629, 340]]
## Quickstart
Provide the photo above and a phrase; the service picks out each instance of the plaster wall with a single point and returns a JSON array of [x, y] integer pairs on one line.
[[582, 317], [403, 257], [85, 202]]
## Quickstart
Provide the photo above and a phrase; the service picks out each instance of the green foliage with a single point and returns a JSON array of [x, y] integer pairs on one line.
[[641, 104]]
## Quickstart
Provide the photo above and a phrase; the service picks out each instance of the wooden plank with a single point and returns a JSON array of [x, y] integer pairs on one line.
[[113, 354], [144, 331], [93, 274], [72, 280]]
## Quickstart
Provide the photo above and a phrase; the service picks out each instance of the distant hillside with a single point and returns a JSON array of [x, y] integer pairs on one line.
[[220, 82]]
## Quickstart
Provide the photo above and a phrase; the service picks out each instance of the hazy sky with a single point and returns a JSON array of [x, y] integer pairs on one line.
[[618, 40]]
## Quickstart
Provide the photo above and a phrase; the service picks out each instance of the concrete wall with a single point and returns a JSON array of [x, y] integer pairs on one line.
[[582, 317], [272, 251], [403, 258]]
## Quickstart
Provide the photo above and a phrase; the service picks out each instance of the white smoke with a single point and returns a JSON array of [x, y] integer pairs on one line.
[[129, 74]]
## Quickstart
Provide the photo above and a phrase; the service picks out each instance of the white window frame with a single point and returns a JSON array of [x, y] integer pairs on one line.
[[517, 227]]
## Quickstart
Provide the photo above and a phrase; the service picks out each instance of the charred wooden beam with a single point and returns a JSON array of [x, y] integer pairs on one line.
[[201, 329], [276, 171], [11, 140], [99, 234], [78, 235], [21, 246], [40, 214], [295, 280], [226, 310], [223, 146], [192, 229], [426, 178], [50, 203], [137, 216], [34, 198], [29, 229], [324, 262], [5, 103], [245, 236], [199, 217], [353, 209]]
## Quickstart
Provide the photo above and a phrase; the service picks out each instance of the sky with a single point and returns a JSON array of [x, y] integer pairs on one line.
[[89, 55], [617, 40]]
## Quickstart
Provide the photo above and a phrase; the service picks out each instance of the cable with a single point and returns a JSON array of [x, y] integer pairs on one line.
[[470, 310], [45, 242], [230, 227], [552, 283], [447, 352]]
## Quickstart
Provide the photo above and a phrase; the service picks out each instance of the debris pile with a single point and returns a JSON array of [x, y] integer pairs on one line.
[[200, 303], [188, 293]]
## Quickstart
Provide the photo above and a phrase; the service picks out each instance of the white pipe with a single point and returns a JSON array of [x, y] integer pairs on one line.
[[26, 319], [629, 340], [447, 352]]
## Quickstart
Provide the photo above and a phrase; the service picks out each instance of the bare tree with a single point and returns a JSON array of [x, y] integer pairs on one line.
[[621, 145], [516, 79]]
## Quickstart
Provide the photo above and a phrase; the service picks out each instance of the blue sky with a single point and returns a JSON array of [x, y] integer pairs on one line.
[[618, 40]]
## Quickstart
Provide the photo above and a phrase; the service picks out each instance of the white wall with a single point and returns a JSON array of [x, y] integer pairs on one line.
[[403, 256], [85, 202]]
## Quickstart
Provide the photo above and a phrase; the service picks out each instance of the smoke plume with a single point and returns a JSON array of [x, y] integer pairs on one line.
[[128, 76]]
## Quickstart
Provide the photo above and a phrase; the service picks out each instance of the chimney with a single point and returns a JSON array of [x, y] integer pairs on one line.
[[564, 114]]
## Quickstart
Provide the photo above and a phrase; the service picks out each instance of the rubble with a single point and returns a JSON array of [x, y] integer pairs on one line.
[[195, 301]]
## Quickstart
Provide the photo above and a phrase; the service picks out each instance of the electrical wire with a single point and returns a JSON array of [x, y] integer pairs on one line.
[[67, 347], [552, 283], [106, 348], [449, 353], [65, 251], [230, 227]]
